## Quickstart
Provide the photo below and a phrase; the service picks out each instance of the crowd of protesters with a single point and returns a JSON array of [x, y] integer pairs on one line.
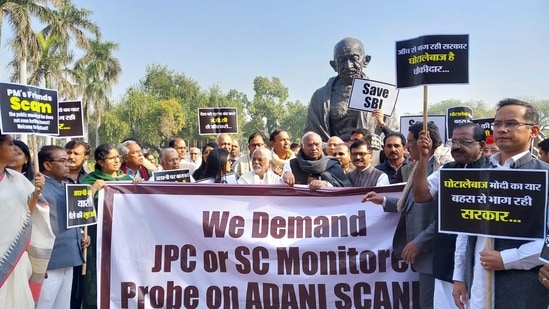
[[273, 161]]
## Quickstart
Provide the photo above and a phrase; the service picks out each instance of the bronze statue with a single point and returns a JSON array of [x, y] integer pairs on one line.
[[328, 113]]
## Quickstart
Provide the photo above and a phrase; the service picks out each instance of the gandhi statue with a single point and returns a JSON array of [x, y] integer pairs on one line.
[[328, 113]]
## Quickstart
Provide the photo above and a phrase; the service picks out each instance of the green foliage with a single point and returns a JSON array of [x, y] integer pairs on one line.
[[543, 109], [268, 108], [294, 120], [168, 119], [113, 130], [480, 109]]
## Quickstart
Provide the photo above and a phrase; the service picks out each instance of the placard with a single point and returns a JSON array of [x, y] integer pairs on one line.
[[439, 120], [217, 120], [367, 95], [80, 206], [455, 116], [486, 124], [71, 119], [432, 59], [27, 109], [179, 175], [493, 202]]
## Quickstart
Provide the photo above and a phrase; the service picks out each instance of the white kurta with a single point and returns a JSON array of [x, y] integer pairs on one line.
[[270, 178]]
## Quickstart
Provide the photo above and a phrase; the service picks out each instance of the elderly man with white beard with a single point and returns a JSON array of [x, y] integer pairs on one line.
[[261, 173]]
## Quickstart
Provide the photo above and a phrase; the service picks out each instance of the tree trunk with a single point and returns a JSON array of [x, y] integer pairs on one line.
[[98, 124]]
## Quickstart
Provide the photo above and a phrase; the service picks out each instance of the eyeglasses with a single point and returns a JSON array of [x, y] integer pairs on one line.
[[311, 145], [362, 154], [465, 143], [509, 124], [62, 161], [136, 153]]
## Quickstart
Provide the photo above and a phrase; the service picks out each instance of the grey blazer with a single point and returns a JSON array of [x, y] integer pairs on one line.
[[417, 224]]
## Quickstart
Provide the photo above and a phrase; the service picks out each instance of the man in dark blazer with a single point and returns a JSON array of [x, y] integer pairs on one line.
[[515, 263], [413, 239], [468, 141]]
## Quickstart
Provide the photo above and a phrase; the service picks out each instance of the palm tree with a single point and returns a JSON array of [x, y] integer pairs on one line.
[[19, 14], [48, 68], [96, 72], [71, 23]]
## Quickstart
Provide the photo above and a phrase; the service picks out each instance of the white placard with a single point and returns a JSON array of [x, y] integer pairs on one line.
[[368, 95], [439, 120]]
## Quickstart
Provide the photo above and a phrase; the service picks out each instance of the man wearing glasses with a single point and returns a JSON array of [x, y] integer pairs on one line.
[[365, 174], [244, 163], [132, 160], [195, 157], [413, 239], [311, 167], [56, 290], [468, 142], [514, 263]]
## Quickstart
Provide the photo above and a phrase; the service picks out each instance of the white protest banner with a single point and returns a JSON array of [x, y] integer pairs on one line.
[[439, 120], [169, 245], [367, 95]]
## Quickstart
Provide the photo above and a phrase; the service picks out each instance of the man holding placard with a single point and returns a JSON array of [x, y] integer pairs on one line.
[[56, 291], [467, 150], [413, 239], [514, 263]]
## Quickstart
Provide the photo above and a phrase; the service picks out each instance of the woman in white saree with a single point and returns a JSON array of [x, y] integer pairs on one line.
[[26, 238]]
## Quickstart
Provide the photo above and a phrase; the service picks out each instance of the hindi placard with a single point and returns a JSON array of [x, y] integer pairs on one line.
[[71, 119], [457, 115], [217, 120], [432, 59], [80, 207], [494, 203], [179, 175]]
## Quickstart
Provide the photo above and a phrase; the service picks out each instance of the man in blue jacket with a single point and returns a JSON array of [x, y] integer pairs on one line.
[[56, 290]]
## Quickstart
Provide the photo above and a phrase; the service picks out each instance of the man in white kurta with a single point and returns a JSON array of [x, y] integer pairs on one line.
[[261, 172]]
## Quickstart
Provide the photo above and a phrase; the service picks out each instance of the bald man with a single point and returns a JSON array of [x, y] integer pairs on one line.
[[331, 145], [311, 167]]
